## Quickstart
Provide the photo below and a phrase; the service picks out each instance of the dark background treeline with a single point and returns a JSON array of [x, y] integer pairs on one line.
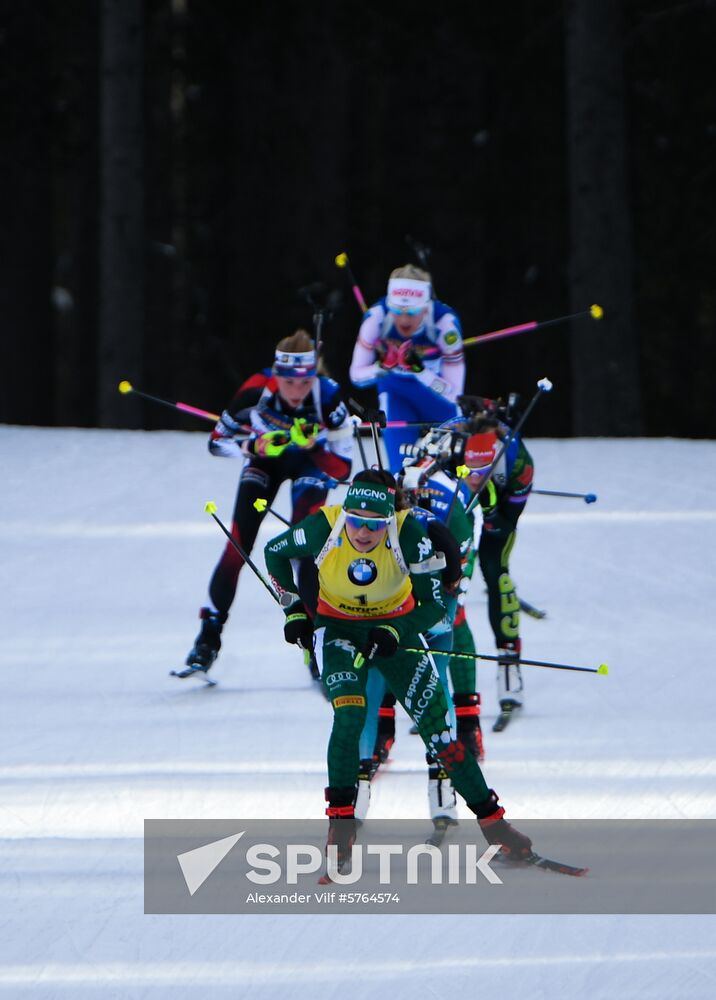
[[173, 171]]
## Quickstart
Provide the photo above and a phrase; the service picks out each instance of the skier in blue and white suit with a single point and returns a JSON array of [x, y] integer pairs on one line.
[[410, 347]]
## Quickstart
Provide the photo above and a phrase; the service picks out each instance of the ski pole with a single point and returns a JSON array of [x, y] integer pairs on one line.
[[377, 421], [587, 497], [342, 262], [595, 311], [126, 387], [530, 609], [371, 418], [544, 385], [601, 669], [210, 508], [427, 424], [359, 441], [405, 423], [324, 304], [261, 505]]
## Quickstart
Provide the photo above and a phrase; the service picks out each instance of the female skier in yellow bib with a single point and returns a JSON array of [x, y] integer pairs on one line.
[[379, 582]]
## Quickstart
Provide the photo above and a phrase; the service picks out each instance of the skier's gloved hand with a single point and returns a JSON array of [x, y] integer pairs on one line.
[[271, 445], [387, 355], [382, 640], [226, 436], [496, 525], [298, 627], [497, 830], [228, 426], [454, 587], [487, 494], [408, 358], [304, 434]]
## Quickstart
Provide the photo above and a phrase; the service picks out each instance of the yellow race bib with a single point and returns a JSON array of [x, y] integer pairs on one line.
[[356, 584]]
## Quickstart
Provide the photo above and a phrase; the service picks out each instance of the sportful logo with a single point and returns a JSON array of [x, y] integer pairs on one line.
[[417, 678], [299, 536]]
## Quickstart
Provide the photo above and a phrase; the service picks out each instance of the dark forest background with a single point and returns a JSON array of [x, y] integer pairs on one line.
[[172, 172]]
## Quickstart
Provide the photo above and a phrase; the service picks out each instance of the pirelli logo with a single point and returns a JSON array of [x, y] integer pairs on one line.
[[349, 699]]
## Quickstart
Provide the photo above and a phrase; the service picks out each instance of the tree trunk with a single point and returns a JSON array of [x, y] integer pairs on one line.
[[605, 371], [26, 345], [121, 241]]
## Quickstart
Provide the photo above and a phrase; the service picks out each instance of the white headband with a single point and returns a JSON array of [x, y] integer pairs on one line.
[[408, 293], [296, 364]]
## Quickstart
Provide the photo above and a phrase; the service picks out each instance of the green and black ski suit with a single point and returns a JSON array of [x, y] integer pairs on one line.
[[397, 584]]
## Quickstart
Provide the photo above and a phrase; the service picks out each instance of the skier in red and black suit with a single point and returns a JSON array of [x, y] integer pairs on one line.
[[299, 430]]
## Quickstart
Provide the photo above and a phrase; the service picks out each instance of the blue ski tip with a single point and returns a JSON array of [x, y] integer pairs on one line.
[[590, 498]]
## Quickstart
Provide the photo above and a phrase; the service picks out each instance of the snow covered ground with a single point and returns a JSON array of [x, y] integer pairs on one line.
[[106, 556]]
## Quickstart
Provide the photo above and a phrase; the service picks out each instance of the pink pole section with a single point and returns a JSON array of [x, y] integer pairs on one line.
[[508, 331], [359, 298], [197, 412]]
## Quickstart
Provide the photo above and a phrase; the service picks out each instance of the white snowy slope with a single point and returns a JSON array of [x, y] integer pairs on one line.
[[106, 557]]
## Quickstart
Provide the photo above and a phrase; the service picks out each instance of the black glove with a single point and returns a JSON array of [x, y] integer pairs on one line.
[[298, 628], [495, 524], [382, 640], [409, 358]]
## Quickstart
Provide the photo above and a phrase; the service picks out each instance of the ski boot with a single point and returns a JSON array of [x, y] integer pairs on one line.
[[513, 845], [467, 711], [386, 729], [208, 642], [341, 830], [442, 800], [362, 798], [509, 683]]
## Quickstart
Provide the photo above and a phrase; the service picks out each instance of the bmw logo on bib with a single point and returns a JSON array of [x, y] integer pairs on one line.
[[362, 572]]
